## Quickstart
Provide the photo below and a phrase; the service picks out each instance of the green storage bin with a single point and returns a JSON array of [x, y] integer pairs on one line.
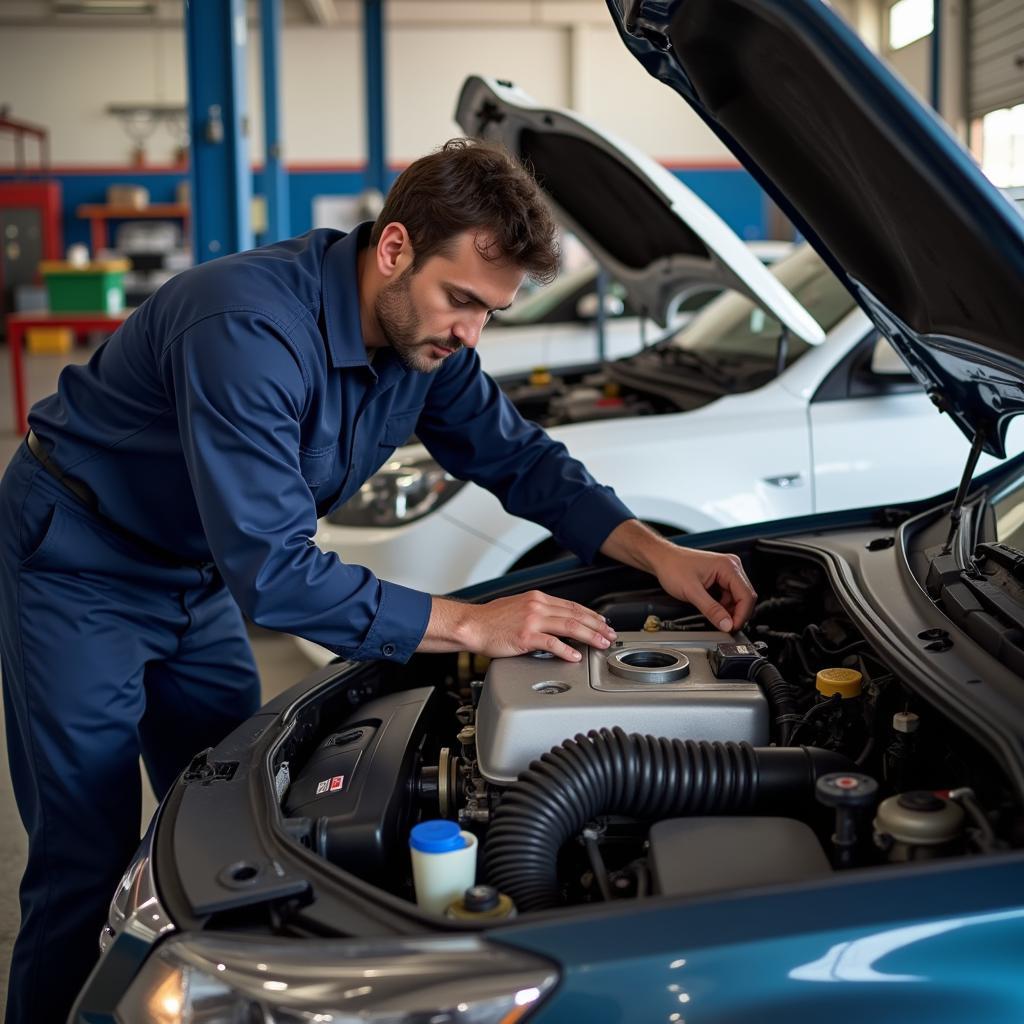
[[91, 288]]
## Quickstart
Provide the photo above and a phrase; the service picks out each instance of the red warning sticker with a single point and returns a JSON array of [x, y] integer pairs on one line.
[[337, 782]]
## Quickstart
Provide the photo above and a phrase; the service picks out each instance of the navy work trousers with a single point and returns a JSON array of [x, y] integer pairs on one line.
[[108, 652]]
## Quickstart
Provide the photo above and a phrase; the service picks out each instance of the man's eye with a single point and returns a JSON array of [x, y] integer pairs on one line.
[[455, 300]]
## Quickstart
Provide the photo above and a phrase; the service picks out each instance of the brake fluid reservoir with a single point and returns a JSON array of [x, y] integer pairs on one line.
[[918, 824], [844, 681]]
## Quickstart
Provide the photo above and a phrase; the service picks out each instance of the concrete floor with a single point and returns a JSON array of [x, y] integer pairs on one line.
[[279, 660]]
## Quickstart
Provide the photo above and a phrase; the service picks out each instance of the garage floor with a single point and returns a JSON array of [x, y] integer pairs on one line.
[[279, 661]]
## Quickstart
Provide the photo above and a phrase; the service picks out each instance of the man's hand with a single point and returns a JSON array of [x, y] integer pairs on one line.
[[686, 573], [690, 575], [514, 625]]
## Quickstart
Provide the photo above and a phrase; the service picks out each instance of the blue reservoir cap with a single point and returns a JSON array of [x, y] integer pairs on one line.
[[438, 836]]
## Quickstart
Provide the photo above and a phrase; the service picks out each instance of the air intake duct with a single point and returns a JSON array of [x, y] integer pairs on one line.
[[645, 777]]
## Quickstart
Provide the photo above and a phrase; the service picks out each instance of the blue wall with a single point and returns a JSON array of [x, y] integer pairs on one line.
[[731, 192]]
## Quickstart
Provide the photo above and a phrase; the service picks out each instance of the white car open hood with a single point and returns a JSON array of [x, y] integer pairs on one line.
[[649, 231]]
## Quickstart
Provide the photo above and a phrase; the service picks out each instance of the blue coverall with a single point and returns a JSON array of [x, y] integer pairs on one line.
[[230, 411]]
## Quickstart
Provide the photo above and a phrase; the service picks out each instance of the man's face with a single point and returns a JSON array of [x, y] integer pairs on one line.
[[429, 315]]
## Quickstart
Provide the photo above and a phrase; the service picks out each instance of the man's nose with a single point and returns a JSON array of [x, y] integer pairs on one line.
[[468, 328]]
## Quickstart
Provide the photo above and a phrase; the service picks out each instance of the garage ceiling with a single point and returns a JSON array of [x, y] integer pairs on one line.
[[324, 13]]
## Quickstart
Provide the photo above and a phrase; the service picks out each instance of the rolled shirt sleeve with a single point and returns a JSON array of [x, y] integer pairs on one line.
[[476, 433], [240, 388]]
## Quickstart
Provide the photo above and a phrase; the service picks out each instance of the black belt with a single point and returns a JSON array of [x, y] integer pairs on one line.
[[76, 487], [86, 497]]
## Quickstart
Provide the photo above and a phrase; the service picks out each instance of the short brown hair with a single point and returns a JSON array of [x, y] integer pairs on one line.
[[468, 185]]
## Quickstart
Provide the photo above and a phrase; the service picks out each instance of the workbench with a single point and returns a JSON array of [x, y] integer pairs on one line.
[[99, 216], [19, 323]]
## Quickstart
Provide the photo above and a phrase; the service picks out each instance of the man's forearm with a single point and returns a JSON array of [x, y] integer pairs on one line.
[[686, 573], [635, 544], [449, 628]]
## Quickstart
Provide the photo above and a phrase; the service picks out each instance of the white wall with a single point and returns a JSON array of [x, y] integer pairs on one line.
[[565, 52], [427, 66], [913, 64], [612, 89], [65, 77]]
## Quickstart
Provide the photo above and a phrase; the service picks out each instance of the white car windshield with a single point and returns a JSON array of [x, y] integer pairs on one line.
[[733, 325]]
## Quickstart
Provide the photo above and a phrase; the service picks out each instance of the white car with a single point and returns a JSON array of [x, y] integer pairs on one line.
[[752, 412], [556, 326]]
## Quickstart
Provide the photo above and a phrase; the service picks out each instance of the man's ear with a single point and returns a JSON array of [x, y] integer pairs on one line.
[[394, 250]]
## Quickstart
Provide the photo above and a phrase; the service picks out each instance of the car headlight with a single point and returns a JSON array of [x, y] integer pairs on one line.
[[225, 979], [135, 906], [399, 493]]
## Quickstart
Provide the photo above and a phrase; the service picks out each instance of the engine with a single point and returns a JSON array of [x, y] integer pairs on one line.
[[677, 685], [656, 766]]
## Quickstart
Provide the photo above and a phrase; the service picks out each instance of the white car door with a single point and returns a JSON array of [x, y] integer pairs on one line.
[[877, 438]]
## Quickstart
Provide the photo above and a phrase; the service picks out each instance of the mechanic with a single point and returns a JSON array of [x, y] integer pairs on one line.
[[174, 483]]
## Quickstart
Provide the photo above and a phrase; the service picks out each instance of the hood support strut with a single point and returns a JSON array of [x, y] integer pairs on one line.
[[961, 492]]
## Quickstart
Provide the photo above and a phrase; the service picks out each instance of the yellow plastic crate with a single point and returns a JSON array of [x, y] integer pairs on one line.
[[49, 341]]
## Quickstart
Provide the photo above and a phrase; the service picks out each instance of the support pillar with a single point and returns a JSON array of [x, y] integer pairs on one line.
[[219, 171], [376, 120], [275, 175]]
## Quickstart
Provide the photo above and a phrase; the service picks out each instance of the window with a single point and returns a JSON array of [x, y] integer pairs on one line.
[[910, 20], [1002, 146]]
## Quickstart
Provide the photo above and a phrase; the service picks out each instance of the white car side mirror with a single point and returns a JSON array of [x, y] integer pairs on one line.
[[885, 360]]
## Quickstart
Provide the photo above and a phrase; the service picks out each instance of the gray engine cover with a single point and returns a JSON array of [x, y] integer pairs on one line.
[[530, 704]]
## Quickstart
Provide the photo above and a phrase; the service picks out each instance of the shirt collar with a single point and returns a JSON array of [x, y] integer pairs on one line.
[[341, 298]]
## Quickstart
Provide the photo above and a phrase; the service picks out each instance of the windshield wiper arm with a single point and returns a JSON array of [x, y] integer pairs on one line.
[[703, 363]]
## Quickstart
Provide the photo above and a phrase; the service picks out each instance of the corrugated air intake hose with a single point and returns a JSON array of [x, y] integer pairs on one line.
[[645, 777]]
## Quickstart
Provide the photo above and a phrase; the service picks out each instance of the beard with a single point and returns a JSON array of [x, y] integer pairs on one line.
[[400, 324]]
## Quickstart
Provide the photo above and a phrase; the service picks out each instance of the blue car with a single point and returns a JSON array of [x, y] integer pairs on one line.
[[821, 817]]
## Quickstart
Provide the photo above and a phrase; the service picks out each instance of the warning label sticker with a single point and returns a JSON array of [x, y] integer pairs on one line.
[[331, 785]]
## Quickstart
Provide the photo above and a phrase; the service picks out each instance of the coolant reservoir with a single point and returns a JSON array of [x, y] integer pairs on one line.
[[916, 824]]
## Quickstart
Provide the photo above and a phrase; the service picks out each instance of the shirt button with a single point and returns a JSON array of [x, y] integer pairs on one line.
[[388, 650]]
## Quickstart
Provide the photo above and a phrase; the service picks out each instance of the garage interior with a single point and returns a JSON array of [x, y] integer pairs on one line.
[[331, 100]]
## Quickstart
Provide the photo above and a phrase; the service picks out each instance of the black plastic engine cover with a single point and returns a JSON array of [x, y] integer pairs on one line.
[[359, 785]]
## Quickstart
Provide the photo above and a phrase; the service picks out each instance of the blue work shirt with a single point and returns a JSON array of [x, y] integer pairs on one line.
[[237, 405]]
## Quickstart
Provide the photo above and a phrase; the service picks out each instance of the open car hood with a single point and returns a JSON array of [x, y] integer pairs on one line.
[[649, 231], [872, 178]]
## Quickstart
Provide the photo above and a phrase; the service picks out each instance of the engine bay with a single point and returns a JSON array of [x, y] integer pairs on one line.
[[680, 762], [661, 379]]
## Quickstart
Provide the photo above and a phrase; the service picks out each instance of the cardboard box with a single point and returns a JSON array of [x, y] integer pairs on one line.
[[129, 197]]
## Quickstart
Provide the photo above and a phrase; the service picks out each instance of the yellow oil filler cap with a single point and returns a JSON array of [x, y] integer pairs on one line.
[[844, 681], [540, 376]]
